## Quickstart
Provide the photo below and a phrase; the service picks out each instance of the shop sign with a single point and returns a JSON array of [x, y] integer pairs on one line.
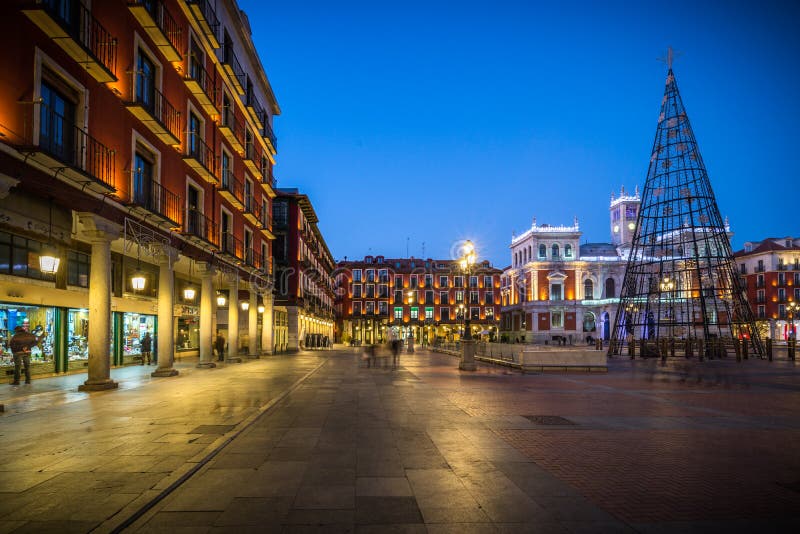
[[181, 310]]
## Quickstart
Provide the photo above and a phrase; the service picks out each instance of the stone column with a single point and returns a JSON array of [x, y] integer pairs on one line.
[[233, 320], [100, 233], [267, 325], [166, 256], [293, 329], [207, 311], [252, 325]]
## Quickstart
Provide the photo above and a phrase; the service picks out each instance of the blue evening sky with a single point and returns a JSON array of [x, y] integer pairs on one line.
[[432, 122]]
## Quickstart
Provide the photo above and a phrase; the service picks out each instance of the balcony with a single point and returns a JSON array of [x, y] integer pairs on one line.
[[79, 34], [269, 136], [197, 225], [232, 246], [255, 260], [759, 269], [201, 158], [203, 86], [782, 267], [150, 198], [154, 110], [255, 109], [233, 69], [232, 189], [207, 18], [232, 130], [60, 144], [252, 157], [159, 24], [252, 210]]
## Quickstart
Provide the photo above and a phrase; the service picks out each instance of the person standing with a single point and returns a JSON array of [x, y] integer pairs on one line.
[[147, 347], [219, 346], [21, 343]]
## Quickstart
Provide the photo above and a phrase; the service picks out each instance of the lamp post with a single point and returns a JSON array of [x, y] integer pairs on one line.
[[667, 285], [411, 324], [467, 343]]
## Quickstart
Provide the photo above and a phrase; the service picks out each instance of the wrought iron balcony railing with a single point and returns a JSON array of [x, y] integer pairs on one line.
[[151, 107], [207, 18], [269, 135], [62, 140], [232, 245], [198, 225], [73, 27], [157, 199], [233, 68], [159, 24], [232, 188], [201, 157], [202, 84]]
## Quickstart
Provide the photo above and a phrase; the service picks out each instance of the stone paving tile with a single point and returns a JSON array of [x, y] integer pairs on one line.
[[383, 487], [330, 497], [371, 510]]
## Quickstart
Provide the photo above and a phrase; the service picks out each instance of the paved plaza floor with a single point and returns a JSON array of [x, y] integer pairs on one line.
[[317, 442]]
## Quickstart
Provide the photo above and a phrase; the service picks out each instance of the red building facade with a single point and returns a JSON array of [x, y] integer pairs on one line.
[[377, 298], [136, 136], [770, 270]]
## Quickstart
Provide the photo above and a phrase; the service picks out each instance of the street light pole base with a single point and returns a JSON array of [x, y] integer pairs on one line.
[[468, 356]]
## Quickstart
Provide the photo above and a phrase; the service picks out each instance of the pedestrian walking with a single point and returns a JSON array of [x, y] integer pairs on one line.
[[219, 346], [21, 344], [395, 353], [147, 348]]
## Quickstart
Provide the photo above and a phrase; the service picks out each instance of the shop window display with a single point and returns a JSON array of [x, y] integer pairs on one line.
[[135, 326], [77, 335], [188, 334], [37, 320]]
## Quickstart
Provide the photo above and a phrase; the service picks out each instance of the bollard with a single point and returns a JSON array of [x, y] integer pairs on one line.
[[791, 344], [745, 348], [769, 349], [632, 348], [598, 344]]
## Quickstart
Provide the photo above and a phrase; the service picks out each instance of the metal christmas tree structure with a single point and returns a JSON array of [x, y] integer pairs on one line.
[[681, 293]]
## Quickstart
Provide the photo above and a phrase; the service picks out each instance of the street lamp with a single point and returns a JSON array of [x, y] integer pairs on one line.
[[466, 262], [468, 345], [792, 308], [411, 324]]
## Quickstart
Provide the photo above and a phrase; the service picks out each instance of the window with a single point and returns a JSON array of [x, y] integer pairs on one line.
[[370, 291], [488, 297], [356, 308], [473, 281], [398, 313], [77, 269], [542, 252], [370, 275], [781, 279], [760, 280], [249, 202], [781, 294], [567, 251], [196, 137], [611, 291], [146, 82], [459, 296], [762, 313], [443, 282], [588, 289], [489, 312], [555, 291], [473, 297], [414, 312], [413, 282], [383, 307], [458, 281], [760, 296], [444, 298], [460, 313], [356, 275], [56, 129], [782, 311], [555, 251], [370, 307], [383, 291], [143, 178], [428, 280], [383, 276], [356, 291], [398, 281], [444, 314], [487, 282], [398, 296], [474, 314], [743, 268], [557, 319], [429, 297], [429, 314], [760, 267]]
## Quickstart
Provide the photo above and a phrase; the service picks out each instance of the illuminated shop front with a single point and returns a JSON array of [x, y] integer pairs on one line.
[[38, 320], [133, 329]]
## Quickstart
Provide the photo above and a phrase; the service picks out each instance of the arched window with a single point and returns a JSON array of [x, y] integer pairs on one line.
[[568, 251], [530, 253], [516, 259], [542, 251], [555, 251], [524, 256], [589, 324], [610, 289], [588, 289]]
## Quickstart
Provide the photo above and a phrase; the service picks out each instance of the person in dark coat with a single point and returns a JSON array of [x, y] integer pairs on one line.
[[147, 348], [219, 346], [21, 344]]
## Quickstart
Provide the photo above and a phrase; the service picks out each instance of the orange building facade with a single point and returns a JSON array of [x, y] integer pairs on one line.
[[136, 138], [380, 298]]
